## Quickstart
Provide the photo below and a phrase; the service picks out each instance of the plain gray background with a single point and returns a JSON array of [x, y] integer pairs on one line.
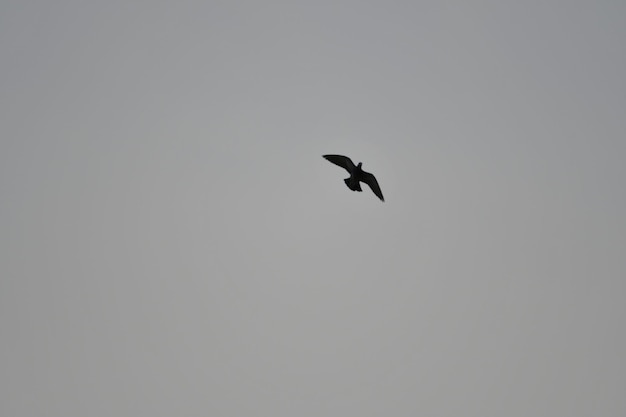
[[173, 244]]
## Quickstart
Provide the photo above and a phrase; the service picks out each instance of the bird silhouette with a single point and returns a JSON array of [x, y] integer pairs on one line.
[[357, 175]]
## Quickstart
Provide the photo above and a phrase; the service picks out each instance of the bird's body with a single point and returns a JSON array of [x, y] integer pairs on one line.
[[357, 175]]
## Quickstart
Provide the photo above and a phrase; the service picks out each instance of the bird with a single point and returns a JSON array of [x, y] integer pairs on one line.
[[357, 175]]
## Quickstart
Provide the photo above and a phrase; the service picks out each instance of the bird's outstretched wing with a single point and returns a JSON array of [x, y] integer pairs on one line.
[[370, 180], [342, 161]]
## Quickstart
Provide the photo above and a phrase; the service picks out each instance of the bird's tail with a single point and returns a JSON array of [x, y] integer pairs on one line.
[[354, 185]]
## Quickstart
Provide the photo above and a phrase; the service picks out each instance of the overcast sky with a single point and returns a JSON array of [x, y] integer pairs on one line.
[[172, 242]]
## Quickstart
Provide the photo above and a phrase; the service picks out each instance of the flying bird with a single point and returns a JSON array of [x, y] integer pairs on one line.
[[357, 175]]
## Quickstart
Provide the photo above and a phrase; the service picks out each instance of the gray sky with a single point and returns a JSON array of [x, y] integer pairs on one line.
[[173, 244]]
